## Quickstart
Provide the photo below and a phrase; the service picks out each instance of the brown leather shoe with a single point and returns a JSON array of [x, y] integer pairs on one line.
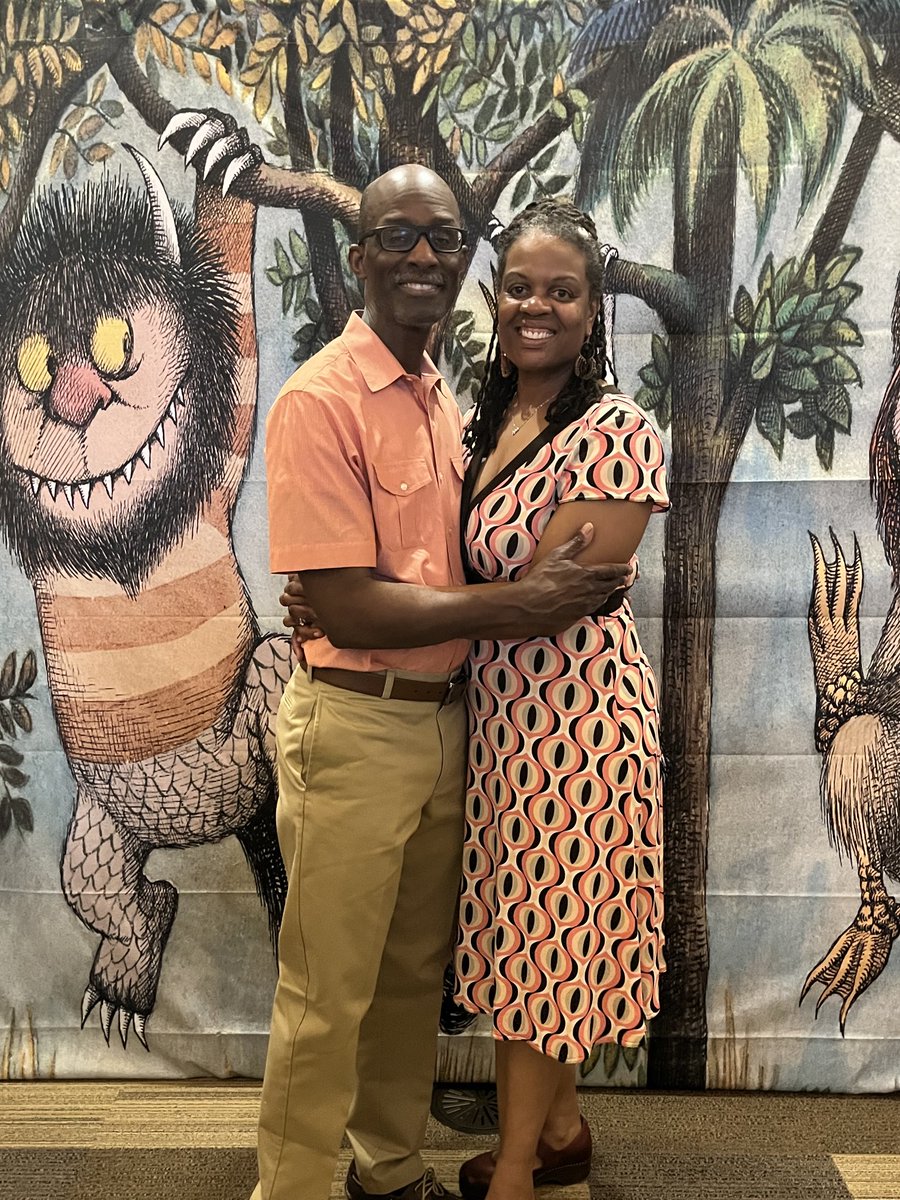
[[572, 1164]]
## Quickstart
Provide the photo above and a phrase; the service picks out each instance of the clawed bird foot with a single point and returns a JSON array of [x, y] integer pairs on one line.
[[855, 961], [108, 1010], [216, 134]]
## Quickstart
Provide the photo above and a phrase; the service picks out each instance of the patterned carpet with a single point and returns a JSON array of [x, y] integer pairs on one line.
[[194, 1141]]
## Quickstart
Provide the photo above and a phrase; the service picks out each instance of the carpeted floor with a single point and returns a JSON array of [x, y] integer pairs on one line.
[[194, 1141]]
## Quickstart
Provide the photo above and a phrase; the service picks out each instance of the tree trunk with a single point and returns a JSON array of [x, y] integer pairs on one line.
[[700, 464], [321, 242]]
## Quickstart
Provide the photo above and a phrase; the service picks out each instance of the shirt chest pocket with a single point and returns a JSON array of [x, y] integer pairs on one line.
[[403, 497]]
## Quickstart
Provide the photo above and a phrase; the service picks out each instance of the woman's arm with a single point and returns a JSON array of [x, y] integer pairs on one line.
[[618, 528]]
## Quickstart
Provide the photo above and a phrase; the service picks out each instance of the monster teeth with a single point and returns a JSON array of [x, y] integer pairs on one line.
[[85, 491], [127, 470], [144, 454], [170, 412], [159, 434], [108, 484], [52, 488], [69, 493], [35, 484]]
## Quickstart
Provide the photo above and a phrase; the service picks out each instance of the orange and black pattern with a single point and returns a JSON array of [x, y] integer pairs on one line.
[[561, 908]]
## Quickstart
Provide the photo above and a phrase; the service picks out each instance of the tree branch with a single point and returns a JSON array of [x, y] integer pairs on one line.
[[668, 292], [273, 187], [530, 142], [883, 103]]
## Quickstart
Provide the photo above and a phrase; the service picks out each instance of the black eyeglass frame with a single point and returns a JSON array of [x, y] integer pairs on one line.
[[421, 231]]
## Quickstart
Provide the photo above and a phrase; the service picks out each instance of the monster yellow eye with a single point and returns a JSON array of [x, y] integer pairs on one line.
[[35, 363], [111, 345]]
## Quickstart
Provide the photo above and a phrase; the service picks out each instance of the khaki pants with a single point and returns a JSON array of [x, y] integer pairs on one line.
[[370, 816]]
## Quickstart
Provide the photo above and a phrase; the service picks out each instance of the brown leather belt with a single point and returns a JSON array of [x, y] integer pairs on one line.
[[373, 683]]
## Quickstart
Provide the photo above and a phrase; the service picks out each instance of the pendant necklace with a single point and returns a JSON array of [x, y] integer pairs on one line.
[[526, 416]]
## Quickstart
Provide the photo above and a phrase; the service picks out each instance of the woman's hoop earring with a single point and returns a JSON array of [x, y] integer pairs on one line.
[[586, 363]]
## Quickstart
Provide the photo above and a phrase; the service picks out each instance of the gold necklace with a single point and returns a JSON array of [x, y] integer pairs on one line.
[[528, 413]]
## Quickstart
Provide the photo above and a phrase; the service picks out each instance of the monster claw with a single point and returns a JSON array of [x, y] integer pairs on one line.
[[180, 122], [236, 168], [124, 1022], [89, 999], [210, 131], [107, 1012], [222, 149], [140, 1025]]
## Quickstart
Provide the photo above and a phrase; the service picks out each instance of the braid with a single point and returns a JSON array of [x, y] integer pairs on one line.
[[562, 219]]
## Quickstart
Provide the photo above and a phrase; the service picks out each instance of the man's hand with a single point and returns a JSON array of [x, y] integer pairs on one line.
[[560, 591], [301, 619]]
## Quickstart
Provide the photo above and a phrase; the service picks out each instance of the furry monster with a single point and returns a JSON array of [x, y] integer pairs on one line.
[[128, 381]]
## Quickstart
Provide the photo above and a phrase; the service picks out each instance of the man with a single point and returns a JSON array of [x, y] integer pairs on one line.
[[365, 470]]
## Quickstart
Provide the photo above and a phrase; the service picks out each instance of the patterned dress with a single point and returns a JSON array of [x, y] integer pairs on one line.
[[561, 908]]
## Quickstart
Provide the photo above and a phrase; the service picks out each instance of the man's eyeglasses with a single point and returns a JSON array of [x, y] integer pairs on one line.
[[400, 239]]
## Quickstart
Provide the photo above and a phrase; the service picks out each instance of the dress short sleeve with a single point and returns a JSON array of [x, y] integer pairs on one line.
[[615, 454]]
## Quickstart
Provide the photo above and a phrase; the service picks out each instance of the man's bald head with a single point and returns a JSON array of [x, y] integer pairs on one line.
[[383, 193]]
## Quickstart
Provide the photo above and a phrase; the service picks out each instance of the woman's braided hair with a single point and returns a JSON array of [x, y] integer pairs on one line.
[[561, 219]]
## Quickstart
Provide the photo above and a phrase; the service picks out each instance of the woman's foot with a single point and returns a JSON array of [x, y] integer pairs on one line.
[[558, 1164]]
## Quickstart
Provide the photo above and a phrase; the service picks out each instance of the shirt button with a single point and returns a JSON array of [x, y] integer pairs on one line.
[[404, 487]]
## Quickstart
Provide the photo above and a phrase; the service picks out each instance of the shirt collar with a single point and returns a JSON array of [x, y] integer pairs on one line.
[[378, 367]]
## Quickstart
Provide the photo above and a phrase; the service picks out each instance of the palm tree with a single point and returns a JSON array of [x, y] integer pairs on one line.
[[704, 94]]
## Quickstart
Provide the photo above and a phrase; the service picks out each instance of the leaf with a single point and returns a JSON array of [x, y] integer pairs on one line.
[[59, 147], [99, 152], [98, 88], [486, 113], [834, 403], [165, 12], [786, 310], [844, 333], [648, 375], [521, 190], [472, 95], [223, 78], [287, 295], [274, 276], [543, 161], [470, 48], [660, 351], [825, 447], [800, 379], [763, 362], [332, 39], [807, 305], [841, 369], [783, 279], [838, 268], [298, 249], [9, 756], [202, 67], [14, 777], [186, 29], [556, 183], [262, 97], [763, 318], [770, 422], [6, 722], [112, 109], [22, 813], [8, 676], [5, 816], [89, 127], [800, 425], [743, 308], [647, 397]]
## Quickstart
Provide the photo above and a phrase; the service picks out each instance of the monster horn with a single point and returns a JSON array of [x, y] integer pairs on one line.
[[164, 232]]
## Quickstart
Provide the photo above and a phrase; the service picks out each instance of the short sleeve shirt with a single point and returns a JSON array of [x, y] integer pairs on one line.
[[364, 467]]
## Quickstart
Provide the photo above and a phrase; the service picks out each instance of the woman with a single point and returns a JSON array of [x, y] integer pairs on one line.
[[560, 937], [560, 933]]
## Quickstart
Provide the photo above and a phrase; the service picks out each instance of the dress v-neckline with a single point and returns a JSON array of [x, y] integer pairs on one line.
[[471, 498]]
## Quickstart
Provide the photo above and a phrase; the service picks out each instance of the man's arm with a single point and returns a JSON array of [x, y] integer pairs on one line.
[[356, 610]]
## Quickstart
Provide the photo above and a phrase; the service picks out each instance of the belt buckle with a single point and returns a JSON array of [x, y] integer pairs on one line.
[[455, 688]]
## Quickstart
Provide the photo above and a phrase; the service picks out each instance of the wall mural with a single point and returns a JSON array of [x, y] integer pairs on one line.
[[180, 182]]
